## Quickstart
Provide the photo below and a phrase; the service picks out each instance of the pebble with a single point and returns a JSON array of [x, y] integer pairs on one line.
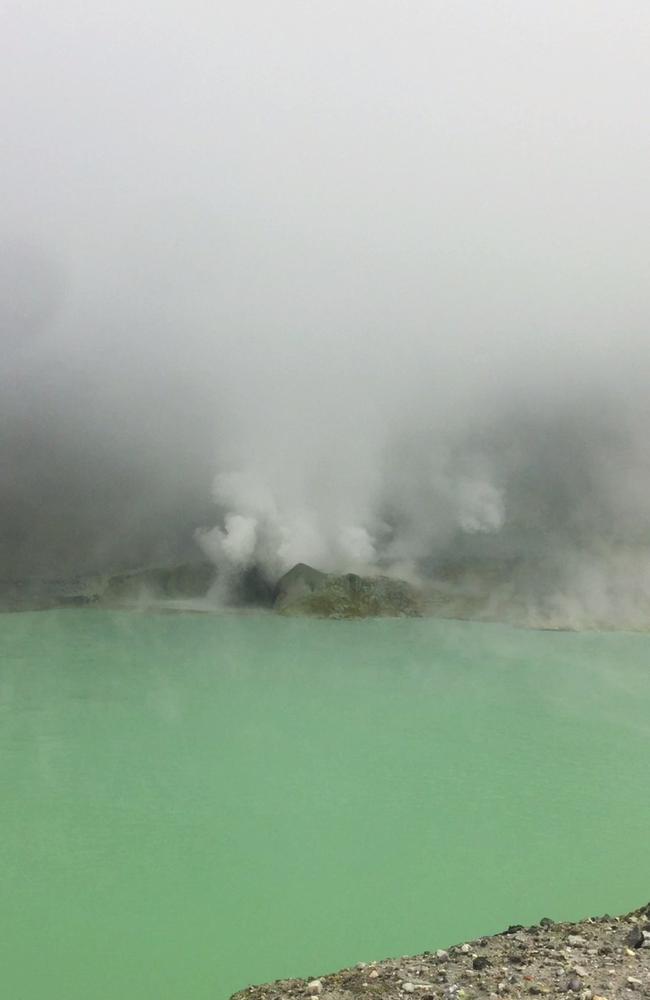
[[538, 989], [634, 982], [465, 948], [575, 939], [442, 955], [574, 985], [408, 987], [580, 971], [373, 974], [315, 987]]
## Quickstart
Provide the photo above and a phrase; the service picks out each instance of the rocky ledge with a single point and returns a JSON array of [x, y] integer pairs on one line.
[[601, 958]]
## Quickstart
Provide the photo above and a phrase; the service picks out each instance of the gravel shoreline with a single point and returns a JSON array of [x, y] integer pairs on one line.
[[600, 958]]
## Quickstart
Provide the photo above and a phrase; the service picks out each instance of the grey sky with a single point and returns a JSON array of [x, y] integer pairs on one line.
[[378, 258]]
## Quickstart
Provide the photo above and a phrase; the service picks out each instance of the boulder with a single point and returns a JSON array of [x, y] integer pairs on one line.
[[301, 581]]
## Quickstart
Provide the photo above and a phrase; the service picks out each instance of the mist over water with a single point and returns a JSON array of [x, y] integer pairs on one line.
[[361, 285]]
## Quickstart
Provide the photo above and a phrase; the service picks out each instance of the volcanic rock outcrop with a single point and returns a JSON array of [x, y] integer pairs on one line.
[[306, 591]]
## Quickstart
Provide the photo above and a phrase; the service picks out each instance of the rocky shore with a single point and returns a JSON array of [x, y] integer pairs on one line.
[[486, 592], [600, 958]]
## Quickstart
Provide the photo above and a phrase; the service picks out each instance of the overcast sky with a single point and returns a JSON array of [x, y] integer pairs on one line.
[[379, 267]]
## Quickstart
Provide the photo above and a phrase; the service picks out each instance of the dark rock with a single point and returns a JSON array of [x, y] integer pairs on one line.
[[481, 962], [300, 581], [574, 984], [636, 937], [546, 922]]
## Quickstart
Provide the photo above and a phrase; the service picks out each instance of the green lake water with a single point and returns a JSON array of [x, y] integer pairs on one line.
[[191, 803]]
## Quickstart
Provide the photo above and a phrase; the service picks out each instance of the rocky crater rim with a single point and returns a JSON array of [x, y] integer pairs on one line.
[[599, 958]]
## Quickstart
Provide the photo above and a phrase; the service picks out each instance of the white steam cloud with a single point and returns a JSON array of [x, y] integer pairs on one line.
[[260, 530]]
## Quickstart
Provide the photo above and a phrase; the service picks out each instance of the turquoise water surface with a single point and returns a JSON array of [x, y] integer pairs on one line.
[[190, 803]]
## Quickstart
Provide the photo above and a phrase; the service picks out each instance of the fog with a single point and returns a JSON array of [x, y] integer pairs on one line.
[[357, 284]]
